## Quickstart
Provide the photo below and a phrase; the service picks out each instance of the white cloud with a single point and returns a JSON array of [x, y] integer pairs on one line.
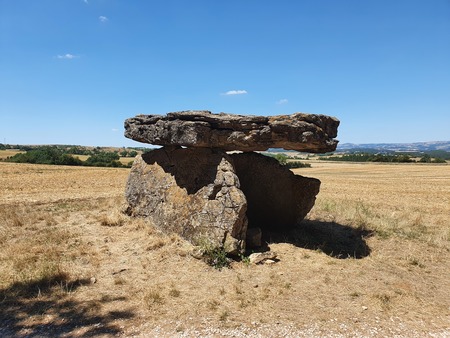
[[235, 92], [102, 18], [282, 101], [67, 56], [115, 130]]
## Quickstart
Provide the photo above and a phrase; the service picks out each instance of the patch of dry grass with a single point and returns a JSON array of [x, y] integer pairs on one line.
[[35, 250], [72, 264], [402, 200], [112, 218], [38, 184], [4, 154]]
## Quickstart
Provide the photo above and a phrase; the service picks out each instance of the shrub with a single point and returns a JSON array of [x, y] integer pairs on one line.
[[213, 255], [104, 159], [425, 159], [66, 159], [217, 258], [297, 164], [282, 158]]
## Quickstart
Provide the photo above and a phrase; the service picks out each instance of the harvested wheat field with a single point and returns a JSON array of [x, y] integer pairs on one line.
[[371, 260]]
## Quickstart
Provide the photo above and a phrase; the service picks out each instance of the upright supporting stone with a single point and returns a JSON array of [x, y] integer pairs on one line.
[[192, 192], [277, 198]]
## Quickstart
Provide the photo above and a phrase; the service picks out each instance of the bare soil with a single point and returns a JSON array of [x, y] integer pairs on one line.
[[372, 259]]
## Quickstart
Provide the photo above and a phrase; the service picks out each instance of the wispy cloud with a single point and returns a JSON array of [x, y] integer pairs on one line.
[[103, 18], [86, 1], [282, 101], [235, 92], [67, 56], [114, 130]]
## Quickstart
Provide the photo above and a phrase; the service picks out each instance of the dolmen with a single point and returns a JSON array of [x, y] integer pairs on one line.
[[208, 184]]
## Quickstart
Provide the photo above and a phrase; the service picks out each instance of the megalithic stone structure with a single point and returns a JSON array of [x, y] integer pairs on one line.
[[193, 187]]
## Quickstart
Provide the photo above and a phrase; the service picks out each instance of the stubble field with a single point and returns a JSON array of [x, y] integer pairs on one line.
[[372, 259]]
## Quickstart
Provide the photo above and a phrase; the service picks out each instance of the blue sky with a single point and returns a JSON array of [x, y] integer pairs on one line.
[[71, 71]]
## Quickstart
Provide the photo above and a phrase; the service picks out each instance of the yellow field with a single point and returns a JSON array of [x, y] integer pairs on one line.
[[123, 160], [399, 198], [8, 153], [372, 259]]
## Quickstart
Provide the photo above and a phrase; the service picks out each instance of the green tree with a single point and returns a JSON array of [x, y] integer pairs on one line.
[[438, 160], [425, 159], [282, 158], [104, 159]]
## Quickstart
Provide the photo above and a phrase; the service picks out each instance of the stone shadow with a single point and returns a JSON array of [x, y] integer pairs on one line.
[[276, 197], [24, 306], [192, 169], [334, 239]]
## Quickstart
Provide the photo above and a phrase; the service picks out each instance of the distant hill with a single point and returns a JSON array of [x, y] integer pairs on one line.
[[402, 147]]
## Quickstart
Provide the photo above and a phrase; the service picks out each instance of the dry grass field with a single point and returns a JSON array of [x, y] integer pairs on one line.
[[371, 260], [9, 153], [123, 160]]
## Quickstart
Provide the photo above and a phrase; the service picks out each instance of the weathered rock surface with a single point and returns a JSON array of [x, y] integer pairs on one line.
[[193, 192], [299, 131], [277, 198]]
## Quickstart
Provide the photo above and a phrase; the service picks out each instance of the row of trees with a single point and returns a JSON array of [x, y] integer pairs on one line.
[[394, 158], [75, 150], [78, 150], [56, 155], [287, 161]]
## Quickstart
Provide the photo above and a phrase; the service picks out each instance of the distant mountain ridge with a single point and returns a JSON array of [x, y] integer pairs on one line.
[[404, 147]]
